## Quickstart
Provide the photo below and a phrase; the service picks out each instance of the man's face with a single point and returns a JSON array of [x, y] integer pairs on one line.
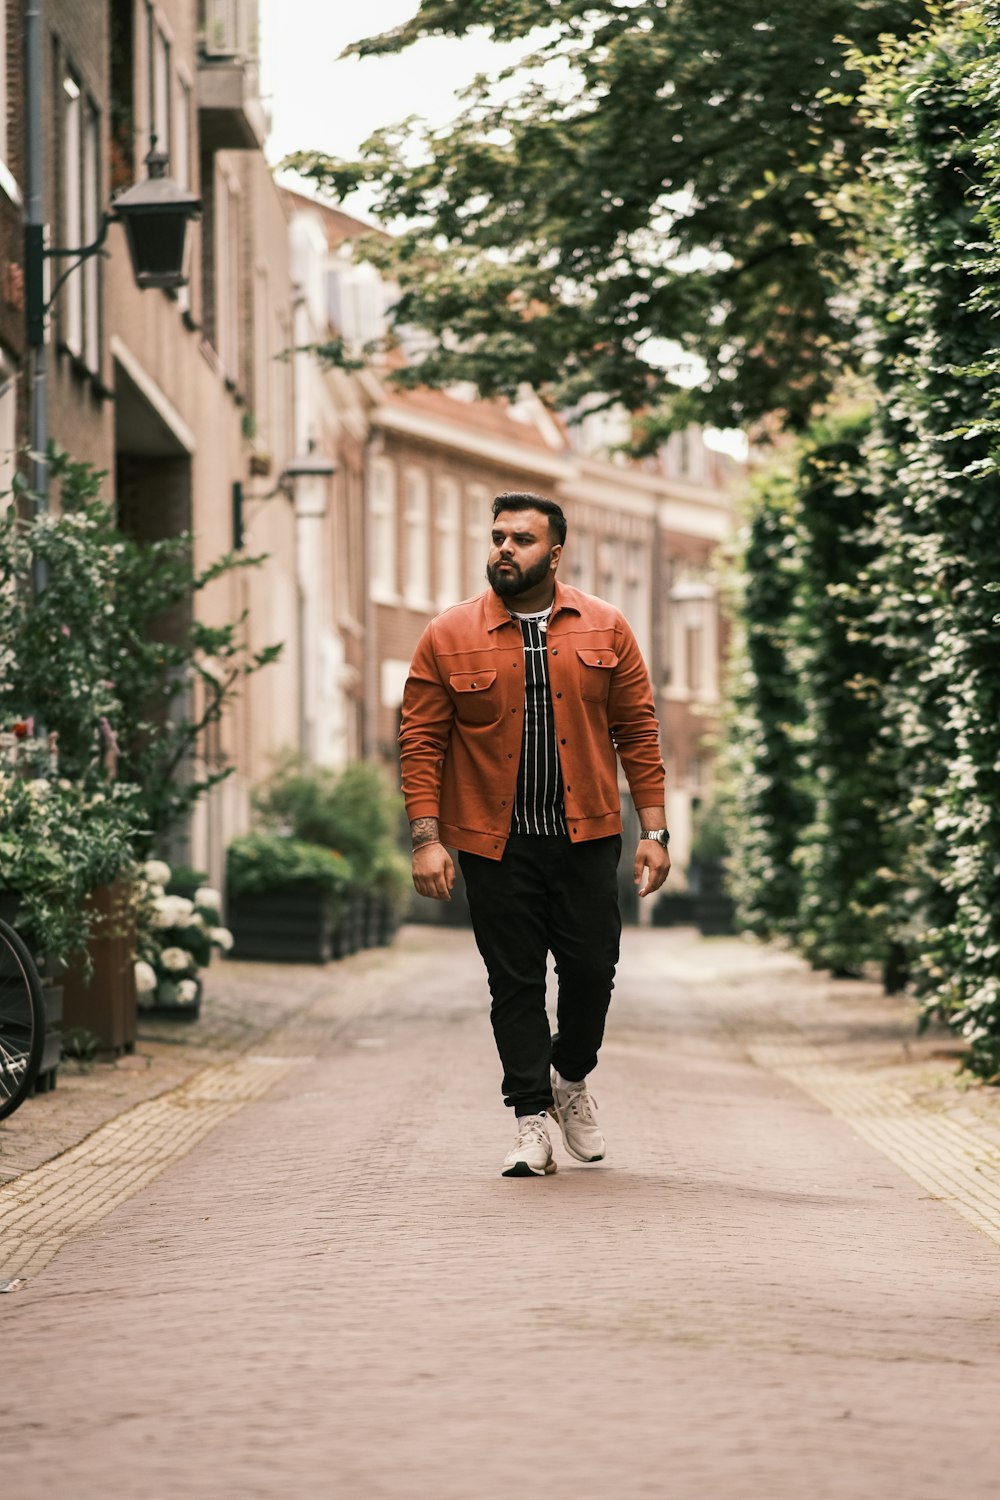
[[522, 552]]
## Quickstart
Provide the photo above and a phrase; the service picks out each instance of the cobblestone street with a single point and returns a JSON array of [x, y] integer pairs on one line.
[[297, 1271]]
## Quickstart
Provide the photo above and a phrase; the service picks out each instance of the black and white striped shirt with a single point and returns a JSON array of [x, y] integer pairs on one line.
[[538, 801]]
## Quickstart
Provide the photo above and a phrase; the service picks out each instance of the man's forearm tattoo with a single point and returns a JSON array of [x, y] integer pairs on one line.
[[424, 831]]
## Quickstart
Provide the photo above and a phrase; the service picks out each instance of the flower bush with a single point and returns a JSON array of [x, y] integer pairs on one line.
[[177, 937], [59, 840]]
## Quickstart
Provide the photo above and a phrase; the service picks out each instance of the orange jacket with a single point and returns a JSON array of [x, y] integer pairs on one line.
[[463, 716]]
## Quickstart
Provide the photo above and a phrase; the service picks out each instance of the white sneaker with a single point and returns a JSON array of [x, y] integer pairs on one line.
[[575, 1112], [531, 1153]]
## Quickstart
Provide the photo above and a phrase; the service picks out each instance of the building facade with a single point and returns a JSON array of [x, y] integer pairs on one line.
[[641, 534], [211, 413]]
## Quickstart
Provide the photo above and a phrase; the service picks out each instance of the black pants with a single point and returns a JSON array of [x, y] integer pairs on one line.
[[546, 895]]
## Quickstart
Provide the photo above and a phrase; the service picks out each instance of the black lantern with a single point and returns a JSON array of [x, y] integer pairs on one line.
[[156, 214]]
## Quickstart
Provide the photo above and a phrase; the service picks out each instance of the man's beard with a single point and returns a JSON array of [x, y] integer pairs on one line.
[[517, 580]]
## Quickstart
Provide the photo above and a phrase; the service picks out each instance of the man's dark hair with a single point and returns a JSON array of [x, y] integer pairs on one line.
[[524, 500]]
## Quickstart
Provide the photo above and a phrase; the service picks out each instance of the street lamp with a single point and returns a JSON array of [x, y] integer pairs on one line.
[[155, 215]]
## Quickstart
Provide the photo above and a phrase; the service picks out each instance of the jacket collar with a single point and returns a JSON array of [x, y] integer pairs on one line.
[[497, 613]]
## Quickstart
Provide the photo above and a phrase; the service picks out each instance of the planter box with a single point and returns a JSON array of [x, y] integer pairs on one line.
[[714, 910], [106, 1005], [48, 1070], [289, 924], [180, 1010]]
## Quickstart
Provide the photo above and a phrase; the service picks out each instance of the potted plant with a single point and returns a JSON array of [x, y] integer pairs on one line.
[[285, 898], [59, 841], [356, 813]]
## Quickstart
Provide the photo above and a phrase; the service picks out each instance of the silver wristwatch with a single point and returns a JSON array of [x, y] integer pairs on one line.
[[661, 835]]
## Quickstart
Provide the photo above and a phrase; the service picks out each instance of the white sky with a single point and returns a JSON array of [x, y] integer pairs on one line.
[[320, 103]]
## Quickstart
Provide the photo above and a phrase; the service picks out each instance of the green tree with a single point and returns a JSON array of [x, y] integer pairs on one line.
[[937, 249], [663, 171], [848, 744], [768, 802], [91, 660]]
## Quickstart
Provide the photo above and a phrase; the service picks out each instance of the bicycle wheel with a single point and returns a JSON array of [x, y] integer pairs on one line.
[[22, 1021]]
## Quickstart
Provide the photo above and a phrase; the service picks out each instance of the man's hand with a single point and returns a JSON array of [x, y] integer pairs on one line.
[[652, 862], [433, 871]]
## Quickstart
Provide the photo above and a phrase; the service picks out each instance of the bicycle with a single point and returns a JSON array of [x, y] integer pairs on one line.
[[22, 1021]]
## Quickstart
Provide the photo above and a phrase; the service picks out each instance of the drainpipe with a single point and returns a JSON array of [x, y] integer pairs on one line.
[[370, 674], [34, 228]]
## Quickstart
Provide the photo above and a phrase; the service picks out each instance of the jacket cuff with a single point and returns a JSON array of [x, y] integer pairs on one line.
[[423, 807]]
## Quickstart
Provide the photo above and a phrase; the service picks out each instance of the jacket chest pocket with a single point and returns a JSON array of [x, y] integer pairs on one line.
[[476, 697], [596, 664]]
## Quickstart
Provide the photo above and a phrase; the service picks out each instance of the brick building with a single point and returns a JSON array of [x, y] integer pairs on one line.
[[209, 415], [184, 398], [13, 411], [640, 534]]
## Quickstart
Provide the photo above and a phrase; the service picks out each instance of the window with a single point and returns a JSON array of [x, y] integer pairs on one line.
[[382, 516], [608, 569], [227, 271], [159, 80], [580, 557], [262, 362], [478, 520], [416, 530], [636, 600], [180, 165], [693, 657], [7, 182], [447, 527], [8, 432], [89, 271], [72, 224], [79, 300]]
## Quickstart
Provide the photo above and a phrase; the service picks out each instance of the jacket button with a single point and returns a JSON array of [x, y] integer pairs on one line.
[[473, 684], [555, 650], [562, 742], [558, 695], [600, 663], [510, 755]]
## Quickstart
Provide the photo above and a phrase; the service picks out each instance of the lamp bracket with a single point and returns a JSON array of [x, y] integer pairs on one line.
[[36, 254]]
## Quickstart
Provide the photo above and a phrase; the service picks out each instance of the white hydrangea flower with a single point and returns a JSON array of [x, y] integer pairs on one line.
[[171, 911], [145, 977], [156, 871], [39, 787], [187, 991], [175, 960], [207, 895], [221, 937]]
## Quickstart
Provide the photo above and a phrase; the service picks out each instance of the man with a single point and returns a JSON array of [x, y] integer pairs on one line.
[[514, 707]]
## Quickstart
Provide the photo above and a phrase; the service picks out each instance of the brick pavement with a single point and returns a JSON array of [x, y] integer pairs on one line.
[[335, 1294]]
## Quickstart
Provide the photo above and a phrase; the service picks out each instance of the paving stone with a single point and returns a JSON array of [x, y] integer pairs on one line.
[[334, 1293]]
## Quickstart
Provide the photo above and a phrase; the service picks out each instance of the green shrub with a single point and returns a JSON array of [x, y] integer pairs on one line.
[[262, 861], [353, 811]]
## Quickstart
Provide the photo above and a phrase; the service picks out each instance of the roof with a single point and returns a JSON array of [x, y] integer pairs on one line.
[[340, 227], [490, 417]]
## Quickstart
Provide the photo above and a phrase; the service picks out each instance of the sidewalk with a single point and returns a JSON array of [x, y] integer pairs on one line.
[[244, 1003], [300, 1272], [843, 1041]]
